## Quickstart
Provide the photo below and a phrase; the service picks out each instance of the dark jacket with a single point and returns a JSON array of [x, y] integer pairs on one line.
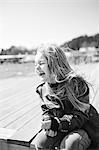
[[69, 117]]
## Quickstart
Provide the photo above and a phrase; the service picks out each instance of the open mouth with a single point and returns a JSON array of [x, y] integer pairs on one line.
[[41, 73]]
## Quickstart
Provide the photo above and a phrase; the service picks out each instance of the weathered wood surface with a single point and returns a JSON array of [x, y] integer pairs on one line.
[[19, 111]]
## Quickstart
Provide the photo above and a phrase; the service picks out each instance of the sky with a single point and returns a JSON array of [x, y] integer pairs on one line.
[[30, 23]]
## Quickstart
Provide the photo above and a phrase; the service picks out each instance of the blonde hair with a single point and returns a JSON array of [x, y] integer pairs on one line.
[[59, 66], [57, 61]]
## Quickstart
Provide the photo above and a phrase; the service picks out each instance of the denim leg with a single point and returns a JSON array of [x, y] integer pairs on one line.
[[77, 140]]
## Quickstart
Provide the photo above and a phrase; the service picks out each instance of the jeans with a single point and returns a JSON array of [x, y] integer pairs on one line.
[[76, 140]]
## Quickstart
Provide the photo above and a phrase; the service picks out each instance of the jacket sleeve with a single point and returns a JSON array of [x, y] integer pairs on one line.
[[39, 92], [76, 119], [73, 121]]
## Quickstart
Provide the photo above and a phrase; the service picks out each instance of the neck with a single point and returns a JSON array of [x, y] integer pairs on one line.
[[51, 80]]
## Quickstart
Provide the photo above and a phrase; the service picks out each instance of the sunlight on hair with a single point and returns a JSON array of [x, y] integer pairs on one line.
[[57, 61]]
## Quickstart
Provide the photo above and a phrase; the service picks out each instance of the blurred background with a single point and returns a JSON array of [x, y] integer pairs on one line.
[[25, 24]]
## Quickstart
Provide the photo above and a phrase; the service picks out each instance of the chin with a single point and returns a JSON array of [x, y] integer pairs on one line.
[[43, 79]]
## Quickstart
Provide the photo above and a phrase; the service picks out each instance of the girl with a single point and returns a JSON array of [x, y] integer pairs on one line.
[[64, 102]]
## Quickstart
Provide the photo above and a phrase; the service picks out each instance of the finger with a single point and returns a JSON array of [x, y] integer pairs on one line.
[[46, 117], [46, 124]]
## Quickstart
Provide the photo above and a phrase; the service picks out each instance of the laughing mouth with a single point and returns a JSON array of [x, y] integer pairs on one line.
[[41, 73]]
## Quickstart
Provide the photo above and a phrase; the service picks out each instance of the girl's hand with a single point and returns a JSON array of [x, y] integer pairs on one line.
[[50, 133], [46, 124]]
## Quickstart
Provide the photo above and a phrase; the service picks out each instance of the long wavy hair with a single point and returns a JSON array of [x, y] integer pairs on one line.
[[57, 61], [58, 66]]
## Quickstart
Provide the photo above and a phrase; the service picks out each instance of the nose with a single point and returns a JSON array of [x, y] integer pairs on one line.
[[37, 67]]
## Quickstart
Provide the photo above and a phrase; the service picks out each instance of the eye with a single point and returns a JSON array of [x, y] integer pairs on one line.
[[41, 63]]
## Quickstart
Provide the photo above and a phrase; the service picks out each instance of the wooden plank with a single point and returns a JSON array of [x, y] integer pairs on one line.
[[21, 138], [7, 97], [19, 118], [6, 133], [19, 147], [4, 145], [19, 112], [14, 107], [28, 131]]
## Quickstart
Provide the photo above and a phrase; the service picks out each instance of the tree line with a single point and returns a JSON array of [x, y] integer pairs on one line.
[[75, 44], [15, 50]]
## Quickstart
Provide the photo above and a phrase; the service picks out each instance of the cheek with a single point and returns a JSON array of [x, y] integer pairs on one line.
[[46, 70], [45, 67]]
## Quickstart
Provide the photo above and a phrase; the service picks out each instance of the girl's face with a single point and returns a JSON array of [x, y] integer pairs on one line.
[[42, 69]]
